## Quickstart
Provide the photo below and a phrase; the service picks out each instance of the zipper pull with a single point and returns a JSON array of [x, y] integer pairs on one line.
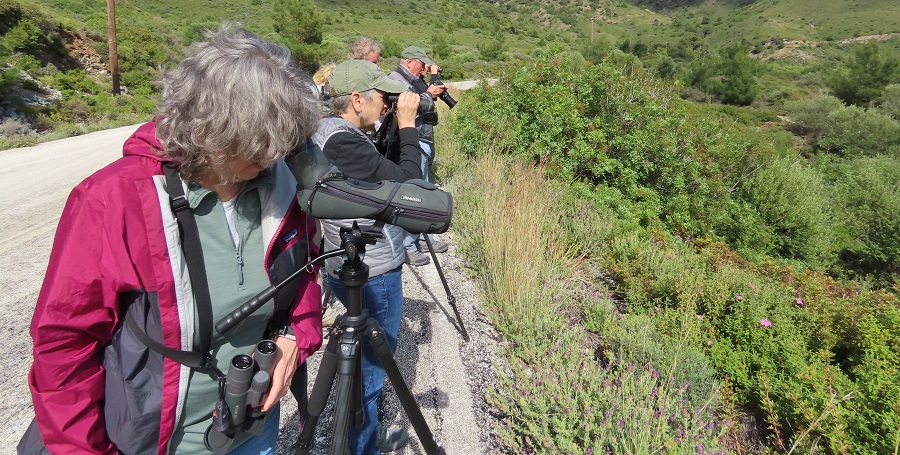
[[240, 264]]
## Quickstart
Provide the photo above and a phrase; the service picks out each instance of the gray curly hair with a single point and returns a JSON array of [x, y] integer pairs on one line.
[[236, 97], [362, 47]]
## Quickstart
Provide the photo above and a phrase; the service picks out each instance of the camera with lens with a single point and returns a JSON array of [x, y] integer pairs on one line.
[[237, 415], [445, 95], [426, 107]]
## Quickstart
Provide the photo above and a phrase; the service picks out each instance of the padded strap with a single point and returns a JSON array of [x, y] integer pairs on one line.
[[200, 360]]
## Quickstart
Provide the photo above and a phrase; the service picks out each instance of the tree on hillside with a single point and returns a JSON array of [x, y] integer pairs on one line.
[[863, 79], [440, 47], [390, 47], [739, 77], [730, 76], [299, 24]]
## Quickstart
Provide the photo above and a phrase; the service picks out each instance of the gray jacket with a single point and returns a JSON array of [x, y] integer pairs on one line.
[[387, 253]]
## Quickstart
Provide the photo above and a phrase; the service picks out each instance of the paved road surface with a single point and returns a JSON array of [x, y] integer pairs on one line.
[[433, 358]]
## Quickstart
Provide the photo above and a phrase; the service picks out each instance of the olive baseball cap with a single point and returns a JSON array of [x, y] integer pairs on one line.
[[417, 53], [359, 76]]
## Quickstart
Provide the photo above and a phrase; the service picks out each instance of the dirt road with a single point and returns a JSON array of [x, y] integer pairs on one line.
[[446, 375]]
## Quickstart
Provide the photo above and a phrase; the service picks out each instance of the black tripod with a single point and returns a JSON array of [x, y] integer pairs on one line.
[[341, 363]]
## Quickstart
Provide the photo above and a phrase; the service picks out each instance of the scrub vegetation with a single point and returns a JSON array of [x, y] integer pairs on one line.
[[676, 277]]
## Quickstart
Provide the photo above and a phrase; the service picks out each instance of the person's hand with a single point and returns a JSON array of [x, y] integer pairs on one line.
[[434, 69], [283, 371], [407, 109], [436, 90]]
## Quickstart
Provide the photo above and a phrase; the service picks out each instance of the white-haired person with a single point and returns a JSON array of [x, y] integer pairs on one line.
[[414, 64], [365, 49], [124, 293]]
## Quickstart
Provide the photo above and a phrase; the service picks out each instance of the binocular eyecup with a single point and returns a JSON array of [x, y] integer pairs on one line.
[[237, 412]]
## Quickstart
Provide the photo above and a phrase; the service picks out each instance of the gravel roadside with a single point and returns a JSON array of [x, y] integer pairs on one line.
[[447, 376]]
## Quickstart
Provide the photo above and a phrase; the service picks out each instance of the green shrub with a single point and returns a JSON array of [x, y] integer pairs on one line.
[[847, 131], [860, 132], [792, 201], [889, 103], [809, 117], [870, 200]]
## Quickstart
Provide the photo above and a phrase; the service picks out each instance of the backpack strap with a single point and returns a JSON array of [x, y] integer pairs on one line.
[[200, 360]]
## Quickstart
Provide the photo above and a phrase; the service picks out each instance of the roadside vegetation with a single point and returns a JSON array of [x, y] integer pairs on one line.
[[672, 277]]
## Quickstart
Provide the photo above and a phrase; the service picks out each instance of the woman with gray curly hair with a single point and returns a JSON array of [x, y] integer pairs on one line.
[[125, 360]]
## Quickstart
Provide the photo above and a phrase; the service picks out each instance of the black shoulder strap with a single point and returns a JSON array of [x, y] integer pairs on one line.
[[193, 254]]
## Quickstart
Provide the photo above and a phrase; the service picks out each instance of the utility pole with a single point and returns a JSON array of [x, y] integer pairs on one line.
[[593, 19], [111, 43]]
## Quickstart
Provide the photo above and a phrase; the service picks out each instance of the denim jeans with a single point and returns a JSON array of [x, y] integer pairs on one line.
[[409, 240], [265, 443], [382, 296]]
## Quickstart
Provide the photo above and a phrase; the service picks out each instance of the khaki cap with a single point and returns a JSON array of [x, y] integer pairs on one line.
[[417, 53], [359, 76]]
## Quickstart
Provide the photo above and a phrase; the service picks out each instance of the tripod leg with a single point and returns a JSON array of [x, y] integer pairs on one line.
[[451, 299], [386, 357], [342, 414], [318, 397]]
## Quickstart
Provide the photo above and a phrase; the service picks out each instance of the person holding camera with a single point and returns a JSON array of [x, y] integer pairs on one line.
[[414, 65], [125, 359], [359, 93]]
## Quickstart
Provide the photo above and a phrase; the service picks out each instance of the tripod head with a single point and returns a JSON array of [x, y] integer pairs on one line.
[[354, 271]]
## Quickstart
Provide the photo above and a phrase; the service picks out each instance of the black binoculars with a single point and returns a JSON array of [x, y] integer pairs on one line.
[[245, 386]]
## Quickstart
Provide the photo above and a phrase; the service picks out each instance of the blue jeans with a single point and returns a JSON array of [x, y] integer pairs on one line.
[[409, 240], [382, 296], [265, 443]]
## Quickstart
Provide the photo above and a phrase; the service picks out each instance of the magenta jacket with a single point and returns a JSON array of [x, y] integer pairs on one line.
[[96, 388]]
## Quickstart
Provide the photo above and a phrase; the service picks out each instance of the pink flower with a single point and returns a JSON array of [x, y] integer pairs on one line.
[[709, 342], [699, 317], [765, 322], [800, 301], [740, 297]]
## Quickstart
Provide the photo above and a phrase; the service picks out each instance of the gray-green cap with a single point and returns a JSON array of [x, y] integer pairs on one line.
[[417, 53], [359, 76]]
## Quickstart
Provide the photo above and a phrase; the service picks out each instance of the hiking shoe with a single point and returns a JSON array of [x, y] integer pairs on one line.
[[331, 313], [439, 246], [391, 439], [416, 258]]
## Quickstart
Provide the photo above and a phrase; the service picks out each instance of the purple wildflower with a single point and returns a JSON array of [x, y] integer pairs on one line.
[[765, 322]]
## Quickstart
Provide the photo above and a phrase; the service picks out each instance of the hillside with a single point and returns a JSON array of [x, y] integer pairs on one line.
[[54, 54]]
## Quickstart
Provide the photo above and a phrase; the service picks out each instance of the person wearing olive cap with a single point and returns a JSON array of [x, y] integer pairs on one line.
[[414, 65], [358, 90]]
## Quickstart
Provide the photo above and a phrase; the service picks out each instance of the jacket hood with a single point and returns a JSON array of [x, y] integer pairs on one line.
[[143, 142]]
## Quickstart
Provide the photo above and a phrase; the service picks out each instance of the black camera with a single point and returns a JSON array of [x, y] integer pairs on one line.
[[445, 95]]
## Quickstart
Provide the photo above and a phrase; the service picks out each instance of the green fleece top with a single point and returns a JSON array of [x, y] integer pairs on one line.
[[235, 275]]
